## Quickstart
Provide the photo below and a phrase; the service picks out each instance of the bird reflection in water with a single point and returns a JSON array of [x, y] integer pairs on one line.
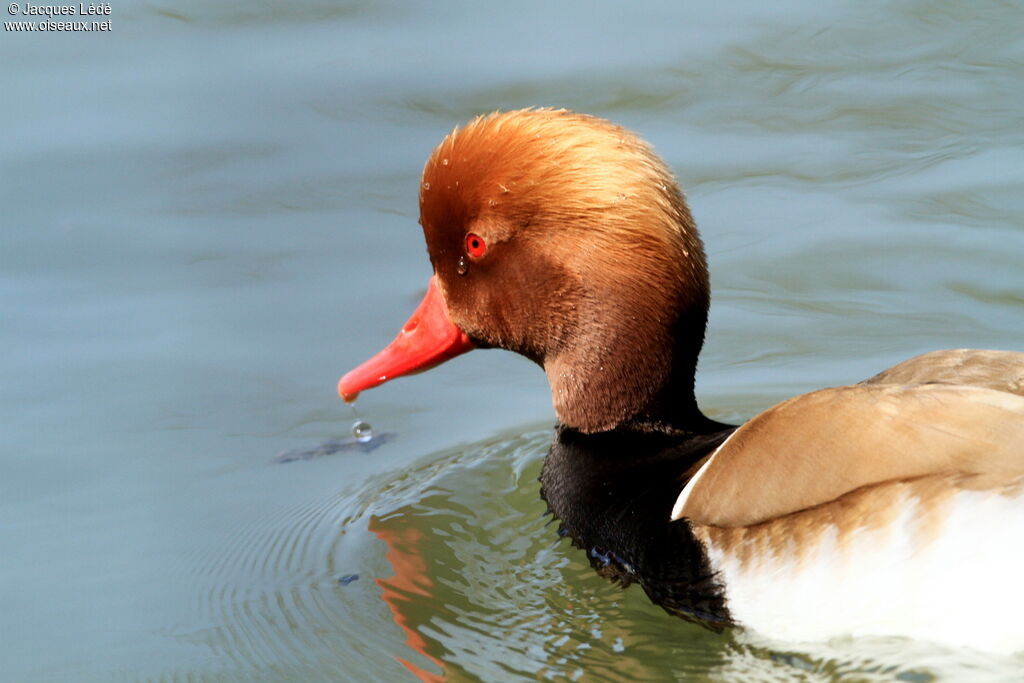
[[410, 579]]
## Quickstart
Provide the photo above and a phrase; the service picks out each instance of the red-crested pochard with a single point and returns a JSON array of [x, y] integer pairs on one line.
[[890, 507]]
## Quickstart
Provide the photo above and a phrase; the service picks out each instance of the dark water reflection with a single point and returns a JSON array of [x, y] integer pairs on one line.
[[209, 214], [481, 587], [484, 587]]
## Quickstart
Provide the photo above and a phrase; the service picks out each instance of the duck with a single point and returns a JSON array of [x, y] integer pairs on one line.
[[891, 507]]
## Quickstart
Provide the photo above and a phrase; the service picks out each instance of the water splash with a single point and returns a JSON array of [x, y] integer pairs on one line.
[[362, 431]]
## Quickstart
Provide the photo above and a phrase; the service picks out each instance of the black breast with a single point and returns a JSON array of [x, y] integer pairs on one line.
[[613, 493]]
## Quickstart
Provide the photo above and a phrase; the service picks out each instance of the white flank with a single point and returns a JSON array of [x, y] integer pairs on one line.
[[963, 587]]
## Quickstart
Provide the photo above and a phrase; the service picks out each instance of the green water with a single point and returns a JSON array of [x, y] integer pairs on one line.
[[209, 214]]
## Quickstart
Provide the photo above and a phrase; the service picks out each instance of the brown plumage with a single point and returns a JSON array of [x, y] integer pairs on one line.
[[797, 535], [594, 269], [594, 249], [999, 370], [817, 447]]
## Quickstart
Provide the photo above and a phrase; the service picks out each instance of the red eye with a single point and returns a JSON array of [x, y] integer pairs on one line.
[[475, 245]]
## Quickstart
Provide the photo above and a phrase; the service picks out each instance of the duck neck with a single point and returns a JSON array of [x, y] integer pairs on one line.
[[637, 373], [670, 404]]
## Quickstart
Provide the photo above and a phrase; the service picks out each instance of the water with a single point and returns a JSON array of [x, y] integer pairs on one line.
[[362, 431], [209, 214]]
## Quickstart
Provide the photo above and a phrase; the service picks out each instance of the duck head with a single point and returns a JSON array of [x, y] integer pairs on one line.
[[564, 238]]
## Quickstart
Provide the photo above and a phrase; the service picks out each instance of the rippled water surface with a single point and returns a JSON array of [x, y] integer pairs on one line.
[[209, 214]]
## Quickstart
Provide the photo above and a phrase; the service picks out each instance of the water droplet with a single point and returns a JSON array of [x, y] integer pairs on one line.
[[491, 202], [444, 162], [426, 186], [461, 267], [362, 431]]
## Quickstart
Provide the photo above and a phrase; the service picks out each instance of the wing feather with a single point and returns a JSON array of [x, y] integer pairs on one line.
[[814, 448], [1000, 370]]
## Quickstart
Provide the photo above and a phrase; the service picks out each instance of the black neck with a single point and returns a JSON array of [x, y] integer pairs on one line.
[[614, 491]]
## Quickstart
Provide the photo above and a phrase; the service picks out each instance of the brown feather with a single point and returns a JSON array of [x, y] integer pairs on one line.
[[796, 535], [999, 370], [594, 266], [815, 448]]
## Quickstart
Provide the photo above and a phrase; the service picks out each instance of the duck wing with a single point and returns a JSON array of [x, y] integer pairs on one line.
[[958, 413], [1000, 370]]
